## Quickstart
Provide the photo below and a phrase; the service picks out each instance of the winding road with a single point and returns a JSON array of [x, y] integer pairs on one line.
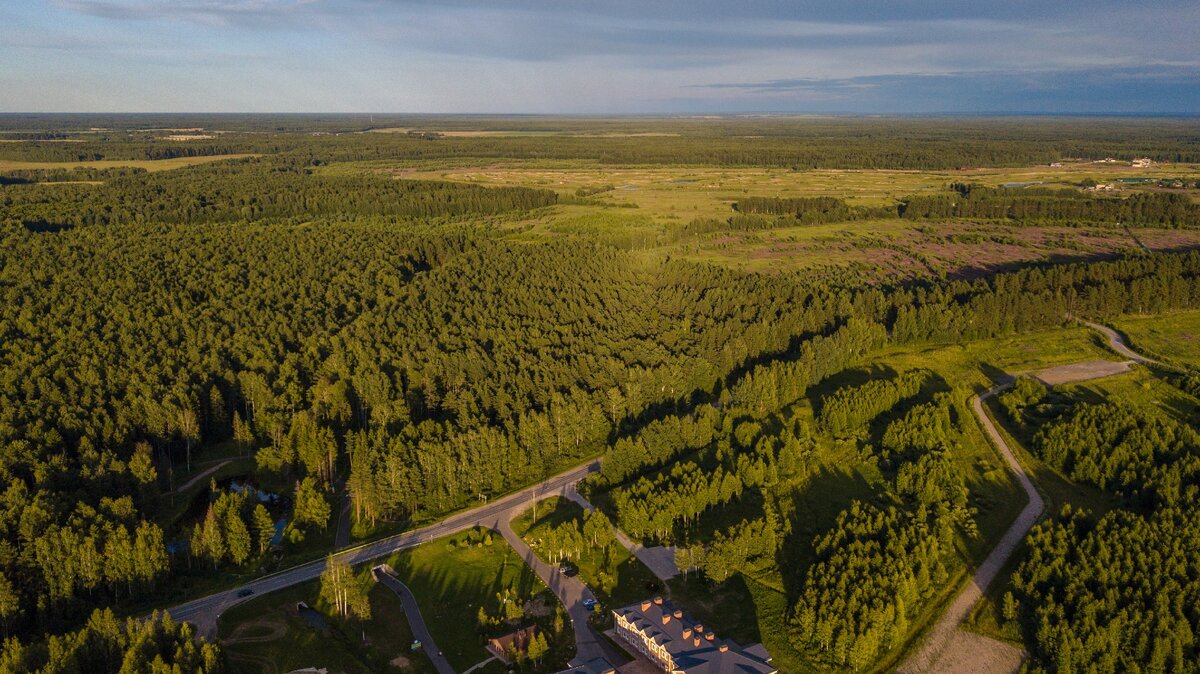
[[569, 589], [1117, 343], [203, 613], [926, 659], [384, 574]]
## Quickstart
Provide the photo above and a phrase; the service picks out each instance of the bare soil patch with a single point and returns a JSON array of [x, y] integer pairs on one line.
[[970, 652], [1085, 371]]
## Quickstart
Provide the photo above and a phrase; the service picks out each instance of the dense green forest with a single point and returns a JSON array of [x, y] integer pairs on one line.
[[410, 344]]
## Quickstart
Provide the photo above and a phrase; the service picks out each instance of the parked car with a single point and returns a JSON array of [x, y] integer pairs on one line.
[[589, 604], [245, 592], [568, 570]]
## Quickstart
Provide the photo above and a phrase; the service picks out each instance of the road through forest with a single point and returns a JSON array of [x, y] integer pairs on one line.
[[204, 612], [926, 659]]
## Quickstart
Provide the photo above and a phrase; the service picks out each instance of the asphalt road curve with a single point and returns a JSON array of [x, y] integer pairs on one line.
[[203, 613]]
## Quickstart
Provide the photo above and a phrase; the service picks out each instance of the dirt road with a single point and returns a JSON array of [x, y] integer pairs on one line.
[[934, 648]]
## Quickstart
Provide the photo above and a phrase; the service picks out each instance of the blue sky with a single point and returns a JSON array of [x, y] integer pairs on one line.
[[621, 56]]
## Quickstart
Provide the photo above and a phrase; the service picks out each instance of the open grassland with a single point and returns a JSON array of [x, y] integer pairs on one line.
[[268, 636], [648, 209], [151, 165], [1174, 337]]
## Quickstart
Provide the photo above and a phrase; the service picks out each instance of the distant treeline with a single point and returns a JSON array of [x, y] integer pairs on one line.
[[62, 175], [810, 210], [787, 143], [1066, 206]]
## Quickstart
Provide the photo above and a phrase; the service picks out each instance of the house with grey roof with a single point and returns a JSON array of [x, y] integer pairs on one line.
[[680, 645]]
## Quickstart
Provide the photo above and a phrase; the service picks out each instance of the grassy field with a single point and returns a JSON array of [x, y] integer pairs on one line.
[[1174, 337], [148, 164], [642, 208], [618, 580], [453, 577], [268, 636]]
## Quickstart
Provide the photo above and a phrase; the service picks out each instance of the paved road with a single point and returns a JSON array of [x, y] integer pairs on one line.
[[927, 657], [570, 590], [1117, 343], [383, 574], [342, 538], [203, 612], [660, 559]]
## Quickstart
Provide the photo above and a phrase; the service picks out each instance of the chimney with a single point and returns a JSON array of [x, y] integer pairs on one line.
[[709, 636], [658, 600], [666, 618], [696, 641], [723, 647], [687, 633], [645, 606], [678, 614], [699, 629]]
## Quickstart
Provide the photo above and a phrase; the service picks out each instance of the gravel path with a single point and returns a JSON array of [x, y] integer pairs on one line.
[[934, 650], [660, 559], [945, 649], [1117, 343], [384, 574], [200, 476]]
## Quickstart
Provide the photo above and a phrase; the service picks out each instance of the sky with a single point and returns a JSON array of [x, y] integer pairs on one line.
[[601, 57]]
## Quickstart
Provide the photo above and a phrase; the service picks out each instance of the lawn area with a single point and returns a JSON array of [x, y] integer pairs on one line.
[[615, 576], [268, 636], [1173, 337], [453, 577]]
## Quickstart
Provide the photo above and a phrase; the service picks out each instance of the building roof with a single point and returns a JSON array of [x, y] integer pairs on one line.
[[693, 647], [517, 639]]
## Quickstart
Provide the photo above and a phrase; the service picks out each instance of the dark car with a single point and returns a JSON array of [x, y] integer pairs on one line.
[[568, 570], [589, 604], [245, 593]]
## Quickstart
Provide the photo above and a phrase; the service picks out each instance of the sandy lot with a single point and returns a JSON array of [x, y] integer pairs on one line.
[[1087, 370], [970, 652]]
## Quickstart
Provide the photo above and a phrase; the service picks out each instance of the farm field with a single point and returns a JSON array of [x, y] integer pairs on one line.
[[643, 208]]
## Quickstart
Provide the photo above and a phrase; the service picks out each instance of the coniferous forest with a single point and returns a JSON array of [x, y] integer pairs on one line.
[[204, 363]]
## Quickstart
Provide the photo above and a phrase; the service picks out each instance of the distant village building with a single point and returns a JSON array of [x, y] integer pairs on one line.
[[1144, 162], [679, 645]]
